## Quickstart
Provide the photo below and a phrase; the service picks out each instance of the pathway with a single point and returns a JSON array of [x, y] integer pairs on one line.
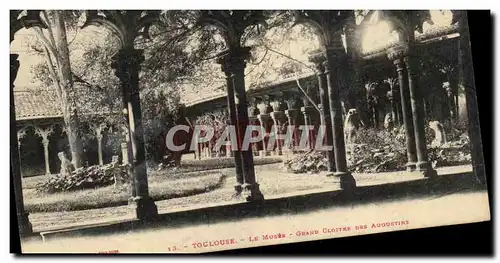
[[272, 180], [391, 214]]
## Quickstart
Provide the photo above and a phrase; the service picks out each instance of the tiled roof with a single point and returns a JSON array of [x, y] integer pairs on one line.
[[36, 104]]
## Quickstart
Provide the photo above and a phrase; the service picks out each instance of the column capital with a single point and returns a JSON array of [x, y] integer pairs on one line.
[[98, 129], [398, 52], [276, 115], [126, 61], [20, 134], [252, 109], [262, 117], [233, 59], [306, 109], [334, 51], [290, 113], [44, 133], [264, 105], [318, 58], [291, 102], [278, 104]]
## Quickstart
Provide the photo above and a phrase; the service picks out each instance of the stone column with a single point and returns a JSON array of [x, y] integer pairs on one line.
[[210, 149], [277, 117], [124, 153], [229, 152], [44, 133], [466, 81], [98, 131], [333, 55], [15, 168], [291, 115], [307, 111], [127, 65], [236, 57], [99, 148], [21, 133], [423, 165], [396, 55], [46, 142], [263, 119], [396, 99], [254, 146], [318, 60], [127, 154], [198, 149]]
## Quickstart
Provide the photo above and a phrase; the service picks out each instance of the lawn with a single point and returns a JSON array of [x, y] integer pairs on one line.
[[192, 165], [192, 178], [162, 185]]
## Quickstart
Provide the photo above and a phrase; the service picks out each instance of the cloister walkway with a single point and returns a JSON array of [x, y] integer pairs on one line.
[[274, 184]]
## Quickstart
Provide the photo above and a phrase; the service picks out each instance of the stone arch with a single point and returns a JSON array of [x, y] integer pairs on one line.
[[31, 152], [58, 142]]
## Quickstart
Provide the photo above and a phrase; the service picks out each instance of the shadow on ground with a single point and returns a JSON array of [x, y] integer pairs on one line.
[[431, 188]]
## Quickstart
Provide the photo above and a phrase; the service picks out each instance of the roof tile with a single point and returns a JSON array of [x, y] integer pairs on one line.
[[36, 104]]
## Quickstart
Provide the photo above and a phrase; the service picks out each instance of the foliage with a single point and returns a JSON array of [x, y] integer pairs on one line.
[[161, 187], [83, 178], [384, 151], [217, 120], [54, 45], [160, 107]]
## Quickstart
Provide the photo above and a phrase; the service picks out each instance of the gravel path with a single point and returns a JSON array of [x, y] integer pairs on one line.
[[273, 182]]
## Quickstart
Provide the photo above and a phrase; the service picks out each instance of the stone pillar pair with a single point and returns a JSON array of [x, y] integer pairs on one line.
[[277, 117], [334, 53], [291, 115], [319, 61], [412, 109], [264, 120], [233, 64], [394, 96], [233, 120], [127, 66], [307, 131]]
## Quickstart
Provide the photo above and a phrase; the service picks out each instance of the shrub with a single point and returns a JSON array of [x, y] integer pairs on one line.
[[84, 178], [384, 151]]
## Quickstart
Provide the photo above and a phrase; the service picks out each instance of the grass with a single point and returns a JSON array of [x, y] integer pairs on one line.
[[192, 178], [192, 165], [161, 186]]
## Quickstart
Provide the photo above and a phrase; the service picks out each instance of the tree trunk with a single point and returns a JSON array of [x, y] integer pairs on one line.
[[66, 83]]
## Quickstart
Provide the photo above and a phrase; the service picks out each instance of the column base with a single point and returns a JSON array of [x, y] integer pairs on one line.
[[238, 189], [262, 153], [252, 192], [426, 168], [410, 167], [347, 181], [145, 207], [24, 224]]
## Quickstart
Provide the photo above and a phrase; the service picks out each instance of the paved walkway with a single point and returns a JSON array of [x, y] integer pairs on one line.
[[273, 182], [389, 214]]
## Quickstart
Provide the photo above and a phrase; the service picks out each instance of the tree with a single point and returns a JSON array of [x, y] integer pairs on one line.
[[57, 58]]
